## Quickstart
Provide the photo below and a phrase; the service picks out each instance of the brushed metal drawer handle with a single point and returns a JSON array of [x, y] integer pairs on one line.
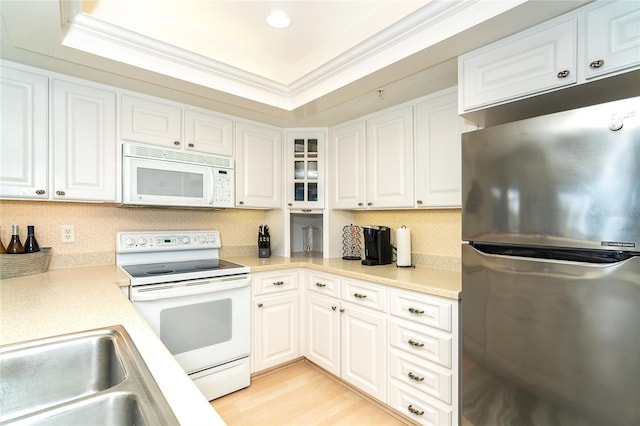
[[359, 296], [320, 285], [414, 411], [414, 377], [563, 74], [416, 344], [40, 192], [60, 193], [416, 311], [278, 283]]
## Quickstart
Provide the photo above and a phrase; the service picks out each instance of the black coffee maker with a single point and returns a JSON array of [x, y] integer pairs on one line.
[[377, 245]]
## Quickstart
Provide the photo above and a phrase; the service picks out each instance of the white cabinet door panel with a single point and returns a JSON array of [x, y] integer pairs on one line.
[[204, 132], [348, 170], [526, 65], [322, 319], [84, 143], [151, 122], [276, 331], [23, 134], [613, 37]]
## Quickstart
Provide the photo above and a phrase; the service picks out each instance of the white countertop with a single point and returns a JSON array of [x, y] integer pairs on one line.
[[70, 300]]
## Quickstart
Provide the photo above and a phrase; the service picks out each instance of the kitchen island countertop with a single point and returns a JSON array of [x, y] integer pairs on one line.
[[63, 301], [437, 282]]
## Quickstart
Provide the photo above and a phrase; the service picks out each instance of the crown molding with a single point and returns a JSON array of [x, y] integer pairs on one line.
[[406, 37]]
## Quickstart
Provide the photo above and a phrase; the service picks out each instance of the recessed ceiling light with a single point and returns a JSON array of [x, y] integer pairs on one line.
[[278, 19]]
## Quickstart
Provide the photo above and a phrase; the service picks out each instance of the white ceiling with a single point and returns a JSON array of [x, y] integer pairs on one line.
[[322, 70]]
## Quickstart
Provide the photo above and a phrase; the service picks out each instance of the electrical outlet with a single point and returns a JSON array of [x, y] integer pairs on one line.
[[67, 233]]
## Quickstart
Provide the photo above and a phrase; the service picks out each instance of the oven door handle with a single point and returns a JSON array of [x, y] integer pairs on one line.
[[188, 288]]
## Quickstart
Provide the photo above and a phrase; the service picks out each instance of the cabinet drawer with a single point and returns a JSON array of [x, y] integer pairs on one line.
[[421, 409], [328, 285], [421, 341], [274, 282], [422, 376], [364, 294], [422, 309]]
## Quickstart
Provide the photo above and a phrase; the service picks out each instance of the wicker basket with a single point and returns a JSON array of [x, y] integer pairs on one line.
[[17, 265]]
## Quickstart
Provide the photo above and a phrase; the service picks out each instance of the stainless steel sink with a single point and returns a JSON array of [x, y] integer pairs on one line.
[[93, 377]]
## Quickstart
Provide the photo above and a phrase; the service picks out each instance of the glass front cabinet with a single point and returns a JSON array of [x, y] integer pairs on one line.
[[305, 169]]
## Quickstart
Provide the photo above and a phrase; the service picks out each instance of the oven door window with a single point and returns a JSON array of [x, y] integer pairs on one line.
[[180, 334]]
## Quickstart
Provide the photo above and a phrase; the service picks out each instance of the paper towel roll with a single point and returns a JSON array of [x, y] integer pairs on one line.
[[403, 244]]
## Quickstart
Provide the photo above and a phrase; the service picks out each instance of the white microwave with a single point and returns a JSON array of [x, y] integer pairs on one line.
[[164, 177]]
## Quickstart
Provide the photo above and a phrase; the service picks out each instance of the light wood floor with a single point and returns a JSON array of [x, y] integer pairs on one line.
[[300, 394]]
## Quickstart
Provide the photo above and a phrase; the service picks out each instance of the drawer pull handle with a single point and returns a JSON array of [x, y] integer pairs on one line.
[[416, 344], [60, 193], [414, 377], [176, 143], [320, 285], [563, 74], [40, 192], [278, 283], [414, 410], [359, 296], [596, 64], [416, 311]]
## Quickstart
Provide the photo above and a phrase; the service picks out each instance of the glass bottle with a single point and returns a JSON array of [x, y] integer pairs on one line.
[[2, 249], [15, 246], [31, 245]]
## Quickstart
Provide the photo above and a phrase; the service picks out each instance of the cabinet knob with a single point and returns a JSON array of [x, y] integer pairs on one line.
[[563, 74], [191, 145], [241, 202], [60, 193], [414, 411], [419, 202], [40, 192], [342, 310], [596, 64], [334, 308], [369, 203], [290, 204], [176, 143], [260, 305], [360, 204]]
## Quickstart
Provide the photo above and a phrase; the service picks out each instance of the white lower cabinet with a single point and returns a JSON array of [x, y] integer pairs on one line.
[[346, 338], [276, 319], [398, 346], [423, 357]]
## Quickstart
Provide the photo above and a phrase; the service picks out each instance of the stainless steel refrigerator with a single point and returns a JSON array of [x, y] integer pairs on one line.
[[551, 272]]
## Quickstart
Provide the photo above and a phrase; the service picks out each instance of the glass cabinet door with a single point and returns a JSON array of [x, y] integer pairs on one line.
[[306, 172]]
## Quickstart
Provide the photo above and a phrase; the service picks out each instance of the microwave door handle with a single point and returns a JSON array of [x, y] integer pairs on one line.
[[211, 193]]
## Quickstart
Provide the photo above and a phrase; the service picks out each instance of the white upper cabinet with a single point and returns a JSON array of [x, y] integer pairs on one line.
[[258, 166], [524, 64], [23, 134], [372, 162], [84, 142], [157, 123], [390, 159], [164, 123], [437, 147], [613, 38], [348, 171], [306, 151], [207, 132], [597, 40]]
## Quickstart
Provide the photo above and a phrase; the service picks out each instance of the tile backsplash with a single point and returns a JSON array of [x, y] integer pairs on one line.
[[96, 226], [435, 234]]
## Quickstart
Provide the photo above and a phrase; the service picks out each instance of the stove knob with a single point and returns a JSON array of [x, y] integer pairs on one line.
[[142, 241], [212, 238], [185, 240], [129, 242], [202, 239]]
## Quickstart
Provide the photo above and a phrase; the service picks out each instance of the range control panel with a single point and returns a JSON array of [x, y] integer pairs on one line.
[[146, 241]]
